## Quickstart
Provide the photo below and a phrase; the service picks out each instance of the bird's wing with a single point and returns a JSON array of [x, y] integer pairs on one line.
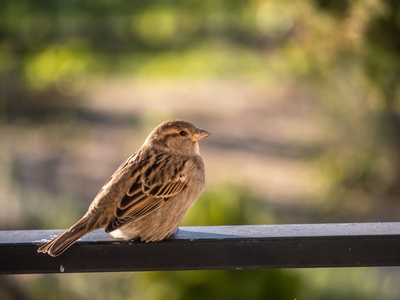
[[161, 176], [121, 168]]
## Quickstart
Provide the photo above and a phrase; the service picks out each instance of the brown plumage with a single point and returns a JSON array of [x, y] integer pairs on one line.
[[149, 194]]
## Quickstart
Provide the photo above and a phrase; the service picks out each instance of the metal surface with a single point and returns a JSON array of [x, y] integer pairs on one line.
[[216, 247]]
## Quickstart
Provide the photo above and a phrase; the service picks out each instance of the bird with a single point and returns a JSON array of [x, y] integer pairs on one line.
[[149, 194]]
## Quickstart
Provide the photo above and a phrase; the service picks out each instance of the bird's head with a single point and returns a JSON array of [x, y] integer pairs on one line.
[[177, 136]]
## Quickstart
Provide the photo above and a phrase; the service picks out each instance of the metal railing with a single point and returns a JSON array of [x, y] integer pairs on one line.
[[212, 248]]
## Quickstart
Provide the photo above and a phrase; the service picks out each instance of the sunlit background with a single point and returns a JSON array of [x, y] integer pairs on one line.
[[301, 97]]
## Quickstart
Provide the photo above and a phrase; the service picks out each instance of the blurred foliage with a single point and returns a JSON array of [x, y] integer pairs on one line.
[[344, 53], [265, 284], [236, 205]]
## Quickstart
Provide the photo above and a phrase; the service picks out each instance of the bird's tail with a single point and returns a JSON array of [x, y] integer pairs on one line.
[[65, 240]]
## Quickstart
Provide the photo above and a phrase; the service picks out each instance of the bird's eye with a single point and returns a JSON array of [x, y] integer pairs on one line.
[[182, 133]]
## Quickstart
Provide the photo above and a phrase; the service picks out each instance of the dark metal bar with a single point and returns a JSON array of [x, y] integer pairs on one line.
[[215, 247]]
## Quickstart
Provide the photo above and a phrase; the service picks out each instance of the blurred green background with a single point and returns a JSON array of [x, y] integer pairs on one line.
[[301, 97]]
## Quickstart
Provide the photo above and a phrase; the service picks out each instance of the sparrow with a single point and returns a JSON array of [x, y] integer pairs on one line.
[[149, 194]]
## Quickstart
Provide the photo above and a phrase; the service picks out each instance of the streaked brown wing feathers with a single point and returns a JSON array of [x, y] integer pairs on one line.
[[159, 180], [121, 167]]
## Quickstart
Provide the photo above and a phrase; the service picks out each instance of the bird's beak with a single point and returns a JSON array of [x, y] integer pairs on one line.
[[200, 134]]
